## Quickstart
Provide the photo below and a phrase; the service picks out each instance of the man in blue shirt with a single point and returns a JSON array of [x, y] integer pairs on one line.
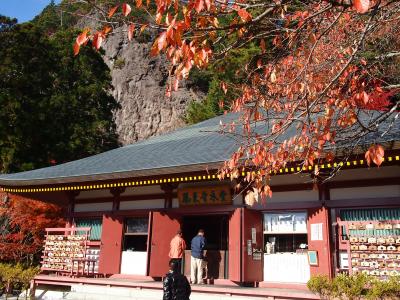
[[196, 265]]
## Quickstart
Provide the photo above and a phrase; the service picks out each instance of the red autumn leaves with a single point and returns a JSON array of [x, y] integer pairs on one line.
[[375, 154], [98, 37], [361, 6], [314, 76]]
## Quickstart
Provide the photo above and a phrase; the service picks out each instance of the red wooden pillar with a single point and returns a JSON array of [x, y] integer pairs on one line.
[[111, 245], [318, 221], [245, 236], [164, 228], [252, 245], [234, 246]]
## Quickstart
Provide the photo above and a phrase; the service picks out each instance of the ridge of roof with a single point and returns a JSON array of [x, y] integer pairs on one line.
[[190, 148]]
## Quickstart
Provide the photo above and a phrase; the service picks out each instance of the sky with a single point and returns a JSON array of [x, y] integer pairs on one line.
[[23, 10]]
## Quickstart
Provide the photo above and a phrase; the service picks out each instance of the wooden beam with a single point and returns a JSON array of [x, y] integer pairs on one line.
[[363, 182], [370, 202], [126, 198]]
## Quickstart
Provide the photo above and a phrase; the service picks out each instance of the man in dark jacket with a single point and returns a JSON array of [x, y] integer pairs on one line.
[[196, 265], [176, 285]]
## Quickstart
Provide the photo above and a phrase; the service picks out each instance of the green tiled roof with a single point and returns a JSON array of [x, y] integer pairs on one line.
[[189, 149]]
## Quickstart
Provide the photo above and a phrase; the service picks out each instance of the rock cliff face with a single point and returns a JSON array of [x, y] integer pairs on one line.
[[139, 82]]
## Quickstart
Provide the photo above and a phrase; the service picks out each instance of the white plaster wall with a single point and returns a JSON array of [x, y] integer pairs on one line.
[[94, 194], [366, 192], [143, 190], [290, 179], [205, 183], [367, 173], [105, 193], [87, 207], [293, 196], [141, 204], [175, 203]]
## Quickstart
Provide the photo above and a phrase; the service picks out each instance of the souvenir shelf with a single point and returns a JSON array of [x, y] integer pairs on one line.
[[374, 248], [66, 251]]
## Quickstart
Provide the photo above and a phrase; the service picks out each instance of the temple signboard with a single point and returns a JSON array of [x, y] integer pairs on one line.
[[216, 195]]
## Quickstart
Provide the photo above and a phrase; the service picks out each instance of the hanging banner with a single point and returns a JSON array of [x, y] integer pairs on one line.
[[216, 195]]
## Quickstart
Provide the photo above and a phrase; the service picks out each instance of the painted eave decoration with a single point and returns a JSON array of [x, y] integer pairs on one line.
[[178, 179]]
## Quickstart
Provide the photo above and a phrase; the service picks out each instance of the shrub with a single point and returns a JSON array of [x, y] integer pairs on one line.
[[322, 286], [352, 287], [389, 289], [25, 277], [16, 276]]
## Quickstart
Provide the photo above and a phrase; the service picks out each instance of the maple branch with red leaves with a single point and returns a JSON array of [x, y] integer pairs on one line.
[[323, 81]]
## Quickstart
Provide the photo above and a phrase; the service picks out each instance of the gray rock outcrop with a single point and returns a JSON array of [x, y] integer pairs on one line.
[[139, 82]]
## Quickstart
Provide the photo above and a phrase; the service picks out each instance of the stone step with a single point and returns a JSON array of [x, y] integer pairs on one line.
[[92, 292]]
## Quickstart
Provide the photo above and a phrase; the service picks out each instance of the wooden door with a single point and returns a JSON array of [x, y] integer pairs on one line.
[[111, 245], [164, 228], [252, 240], [234, 246]]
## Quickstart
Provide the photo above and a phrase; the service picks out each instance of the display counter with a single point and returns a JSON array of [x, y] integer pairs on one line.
[[286, 267], [134, 263]]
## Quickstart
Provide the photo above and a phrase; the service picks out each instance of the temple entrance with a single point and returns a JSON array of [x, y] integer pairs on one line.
[[216, 234]]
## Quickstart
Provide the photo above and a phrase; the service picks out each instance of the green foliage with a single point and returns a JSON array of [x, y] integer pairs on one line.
[[55, 107], [14, 276], [322, 286], [229, 70], [389, 289], [351, 287], [7, 23], [119, 63]]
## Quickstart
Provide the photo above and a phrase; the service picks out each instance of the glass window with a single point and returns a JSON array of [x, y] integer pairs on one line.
[[137, 225], [94, 224], [291, 222], [286, 243], [285, 232], [135, 236]]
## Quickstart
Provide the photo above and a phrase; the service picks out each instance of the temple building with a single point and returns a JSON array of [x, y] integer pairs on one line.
[[134, 199]]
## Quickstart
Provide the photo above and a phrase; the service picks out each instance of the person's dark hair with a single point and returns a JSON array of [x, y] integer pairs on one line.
[[201, 230], [173, 266], [179, 232]]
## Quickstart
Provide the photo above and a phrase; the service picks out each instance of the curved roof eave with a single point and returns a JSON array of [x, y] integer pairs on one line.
[[111, 176]]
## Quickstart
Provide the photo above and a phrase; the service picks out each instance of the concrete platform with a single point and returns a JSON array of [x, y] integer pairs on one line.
[[58, 288]]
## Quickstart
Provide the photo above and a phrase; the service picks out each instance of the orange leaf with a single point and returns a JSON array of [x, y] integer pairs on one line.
[[158, 17], [76, 48], [199, 5], [361, 6], [131, 31], [244, 15], [107, 29], [162, 41], [176, 85], [98, 40], [208, 4], [375, 154], [112, 11], [138, 3], [273, 76], [365, 98], [142, 28], [126, 9], [82, 38]]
